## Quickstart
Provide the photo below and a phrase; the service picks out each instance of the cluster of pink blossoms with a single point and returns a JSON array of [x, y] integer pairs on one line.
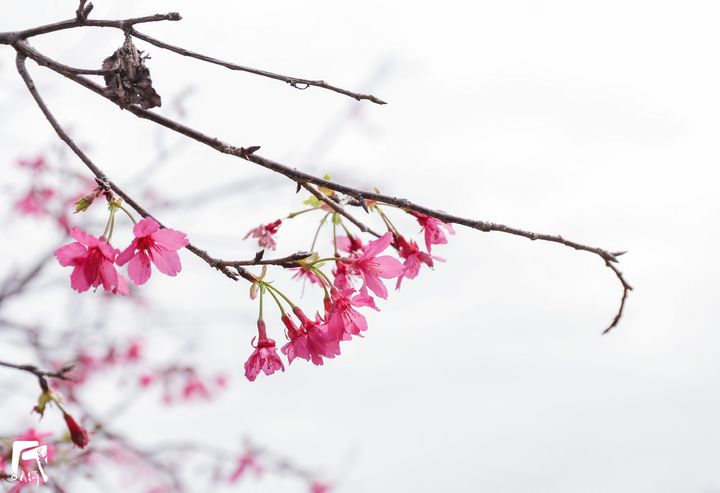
[[358, 277], [94, 259]]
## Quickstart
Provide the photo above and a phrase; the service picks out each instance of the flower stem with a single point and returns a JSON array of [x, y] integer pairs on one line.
[[297, 213], [317, 231], [108, 225], [282, 310], [273, 288], [387, 221], [119, 206]]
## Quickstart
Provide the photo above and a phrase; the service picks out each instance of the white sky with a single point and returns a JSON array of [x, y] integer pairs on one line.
[[598, 121]]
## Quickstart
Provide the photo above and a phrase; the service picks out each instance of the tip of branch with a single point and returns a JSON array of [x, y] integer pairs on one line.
[[376, 100], [174, 16]]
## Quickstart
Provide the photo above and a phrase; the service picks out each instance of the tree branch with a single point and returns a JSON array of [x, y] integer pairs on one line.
[[300, 177], [295, 82], [338, 208], [287, 262], [61, 374], [102, 177], [123, 24]]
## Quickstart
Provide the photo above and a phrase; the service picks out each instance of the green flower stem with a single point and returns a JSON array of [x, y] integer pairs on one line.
[[296, 214], [321, 273], [273, 288], [282, 310], [317, 231], [106, 231], [387, 221], [119, 206], [262, 290]]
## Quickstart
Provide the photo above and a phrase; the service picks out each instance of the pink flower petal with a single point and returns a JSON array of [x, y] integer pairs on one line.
[[145, 227], [139, 268], [67, 254], [166, 261], [170, 239]]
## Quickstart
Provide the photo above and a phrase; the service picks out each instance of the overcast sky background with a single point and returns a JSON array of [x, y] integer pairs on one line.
[[597, 121]]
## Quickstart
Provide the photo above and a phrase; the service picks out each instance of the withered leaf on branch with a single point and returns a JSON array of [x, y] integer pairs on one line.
[[128, 79]]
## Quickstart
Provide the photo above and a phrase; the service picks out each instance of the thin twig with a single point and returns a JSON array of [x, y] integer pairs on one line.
[[60, 374], [295, 82], [123, 24], [338, 208], [288, 262]]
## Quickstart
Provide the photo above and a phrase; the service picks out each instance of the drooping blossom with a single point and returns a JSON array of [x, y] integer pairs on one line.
[[246, 462], [434, 235], [33, 202], [304, 272], [92, 260], [264, 234], [78, 434], [264, 358], [152, 244], [373, 267], [311, 341], [350, 244], [414, 258], [341, 276], [297, 347], [343, 320]]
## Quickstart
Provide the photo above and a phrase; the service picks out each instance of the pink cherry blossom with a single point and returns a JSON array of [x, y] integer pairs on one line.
[[305, 273], [414, 258], [264, 358], [152, 244], [372, 267], [93, 263], [311, 342], [297, 347], [349, 244], [33, 202], [343, 320], [434, 235], [264, 234], [342, 275]]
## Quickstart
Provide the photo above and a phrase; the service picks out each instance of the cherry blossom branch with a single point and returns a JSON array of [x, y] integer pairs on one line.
[[302, 178], [338, 208], [295, 82], [102, 177], [249, 154], [287, 262]]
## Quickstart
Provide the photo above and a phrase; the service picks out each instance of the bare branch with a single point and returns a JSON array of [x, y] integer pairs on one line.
[[338, 208], [295, 82], [124, 25], [287, 262], [61, 374]]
